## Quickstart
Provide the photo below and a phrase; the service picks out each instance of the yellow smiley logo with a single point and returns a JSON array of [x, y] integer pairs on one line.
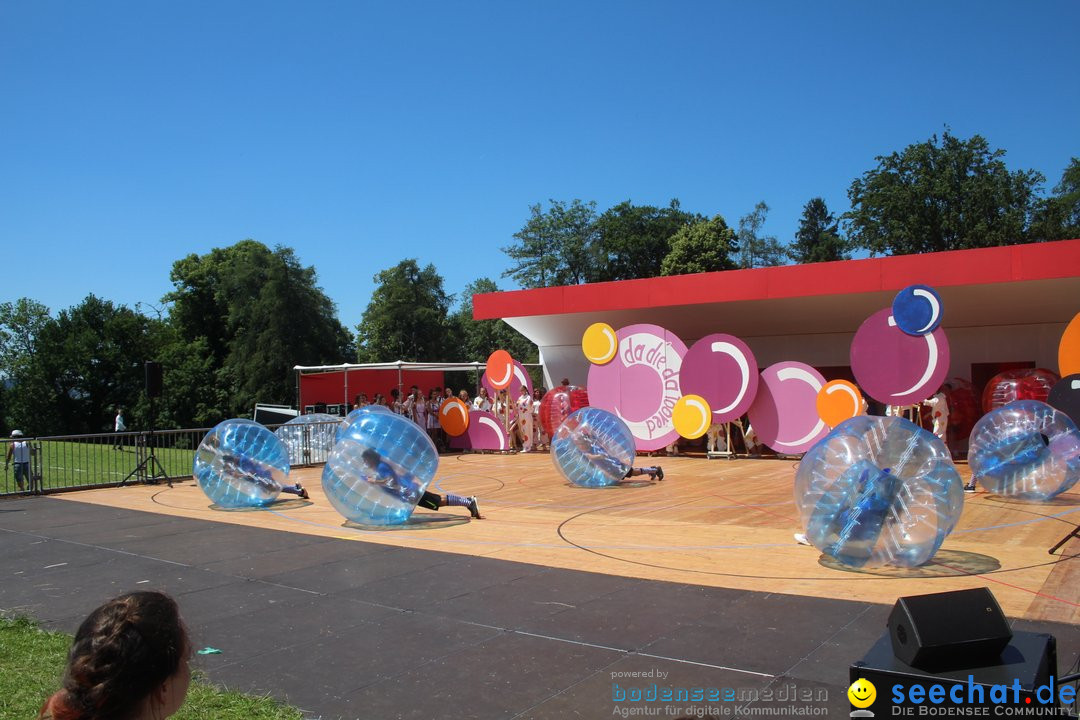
[[862, 693]]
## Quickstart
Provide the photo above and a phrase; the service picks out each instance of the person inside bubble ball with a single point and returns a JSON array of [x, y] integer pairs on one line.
[[585, 441], [129, 659], [252, 471], [403, 485]]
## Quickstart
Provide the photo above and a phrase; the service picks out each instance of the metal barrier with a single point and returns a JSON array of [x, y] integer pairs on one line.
[[79, 462]]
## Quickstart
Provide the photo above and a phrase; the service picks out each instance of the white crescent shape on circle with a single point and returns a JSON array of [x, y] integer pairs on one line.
[[498, 430], [1075, 384], [935, 307], [453, 406], [613, 342], [931, 362], [704, 417], [844, 388], [737, 355], [791, 373], [520, 375], [506, 378]]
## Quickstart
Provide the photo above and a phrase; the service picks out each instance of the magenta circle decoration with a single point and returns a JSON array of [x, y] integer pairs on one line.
[[521, 377], [895, 368], [784, 414], [485, 432], [722, 369], [641, 384]]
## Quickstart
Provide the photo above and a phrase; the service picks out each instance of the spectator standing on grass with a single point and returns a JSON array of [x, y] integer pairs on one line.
[[119, 427], [129, 661], [19, 449]]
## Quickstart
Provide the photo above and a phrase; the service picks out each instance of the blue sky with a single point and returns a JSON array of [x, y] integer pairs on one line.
[[134, 133]]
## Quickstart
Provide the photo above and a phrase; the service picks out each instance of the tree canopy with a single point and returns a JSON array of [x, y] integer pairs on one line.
[[406, 318], [942, 194], [705, 246], [555, 246], [755, 249], [818, 237]]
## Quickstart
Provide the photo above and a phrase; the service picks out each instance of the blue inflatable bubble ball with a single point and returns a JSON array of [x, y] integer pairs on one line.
[[593, 448], [379, 468], [1026, 450], [878, 491], [344, 423], [309, 438], [241, 464]]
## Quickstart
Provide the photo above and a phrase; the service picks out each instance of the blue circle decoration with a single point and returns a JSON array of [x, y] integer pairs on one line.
[[917, 309], [379, 468], [593, 448], [1026, 450], [241, 464], [878, 491]]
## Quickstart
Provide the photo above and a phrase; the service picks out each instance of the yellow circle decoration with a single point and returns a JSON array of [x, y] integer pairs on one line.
[[691, 416], [599, 343]]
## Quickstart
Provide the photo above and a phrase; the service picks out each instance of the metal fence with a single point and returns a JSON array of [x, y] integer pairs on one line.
[[76, 462]]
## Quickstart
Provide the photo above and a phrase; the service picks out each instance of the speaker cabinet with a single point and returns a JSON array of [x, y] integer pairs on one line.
[[963, 628], [153, 379]]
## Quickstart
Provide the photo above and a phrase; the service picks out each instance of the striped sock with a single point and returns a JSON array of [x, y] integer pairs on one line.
[[456, 500]]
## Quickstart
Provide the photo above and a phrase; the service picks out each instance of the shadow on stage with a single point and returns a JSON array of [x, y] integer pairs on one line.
[[946, 563]]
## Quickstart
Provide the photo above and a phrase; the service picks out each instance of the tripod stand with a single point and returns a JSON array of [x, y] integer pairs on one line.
[[1075, 533], [149, 469]]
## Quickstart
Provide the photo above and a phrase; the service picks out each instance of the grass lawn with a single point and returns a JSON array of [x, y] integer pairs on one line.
[[33, 661]]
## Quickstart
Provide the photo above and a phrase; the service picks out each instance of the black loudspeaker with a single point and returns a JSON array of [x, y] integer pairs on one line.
[[963, 628], [153, 379]]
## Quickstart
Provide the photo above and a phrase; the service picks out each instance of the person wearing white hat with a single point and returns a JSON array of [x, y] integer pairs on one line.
[[19, 450]]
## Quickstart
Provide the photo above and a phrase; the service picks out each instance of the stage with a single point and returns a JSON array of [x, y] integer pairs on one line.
[[535, 611]]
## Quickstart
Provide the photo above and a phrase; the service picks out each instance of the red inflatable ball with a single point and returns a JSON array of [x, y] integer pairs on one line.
[[557, 405], [1025, 384], [964, 412]]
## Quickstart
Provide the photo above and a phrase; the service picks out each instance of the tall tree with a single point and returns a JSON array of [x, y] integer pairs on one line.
[[406, 318], [946, 194], [705, 246], [21, 324], [1058, 216], [755, 249], [252, 314], [633, 240], [553, 248], [818, 237], [479, 338]]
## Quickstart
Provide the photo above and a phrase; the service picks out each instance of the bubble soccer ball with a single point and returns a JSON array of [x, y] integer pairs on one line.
[[241, 464], [1024, 384], [593, 448], [1026, 450], [379, 469], [557, 404], [878, 491], [309, 438], [345, 422]]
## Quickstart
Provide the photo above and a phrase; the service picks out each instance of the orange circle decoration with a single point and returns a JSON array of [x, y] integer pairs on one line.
[[599, 343], [837, 401], [454, 417], [1069, 349], [500, 369], [691, 416]]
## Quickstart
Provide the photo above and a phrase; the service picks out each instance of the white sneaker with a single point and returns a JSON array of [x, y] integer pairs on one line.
[[801, 539]]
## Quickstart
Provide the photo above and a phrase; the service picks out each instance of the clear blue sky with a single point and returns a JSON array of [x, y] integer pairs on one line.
[[133, 133]]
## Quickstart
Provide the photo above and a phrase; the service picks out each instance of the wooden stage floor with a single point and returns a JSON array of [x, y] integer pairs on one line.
[[722, 523]]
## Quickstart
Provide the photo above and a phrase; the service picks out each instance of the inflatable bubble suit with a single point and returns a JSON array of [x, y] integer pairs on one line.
[[593, 448], [878, 491], [379, 469], [241, 464], [344, 423], [557, 404], [308, 438], [1026, 450], [1023, 384]]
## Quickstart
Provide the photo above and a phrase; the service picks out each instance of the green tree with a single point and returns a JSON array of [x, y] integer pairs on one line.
[[554, 247], [1058, 216], [755, 249], [21, 324], [479, 338], [818, 237], [406, 318], [946, 194], [250, 314], [705, 246], [633, 240]]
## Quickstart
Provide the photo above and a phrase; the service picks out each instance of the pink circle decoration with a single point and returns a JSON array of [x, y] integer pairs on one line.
[[520, 377], [485, 432], [641, 384], [895, 368], [784, 414], [722, 369]]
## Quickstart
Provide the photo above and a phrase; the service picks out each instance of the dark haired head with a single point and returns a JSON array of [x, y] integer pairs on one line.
[[371, 457], [126, 651]]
